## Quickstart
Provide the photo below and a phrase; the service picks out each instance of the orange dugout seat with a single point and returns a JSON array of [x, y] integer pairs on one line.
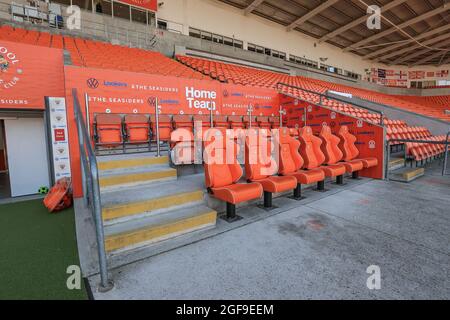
[[108, 130], [261, 167], [137, 128], [334, 155], [351, 152], [222, 176], [291, 163], [310, 150]]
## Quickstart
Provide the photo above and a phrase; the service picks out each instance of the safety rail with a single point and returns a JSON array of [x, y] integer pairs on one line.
[[91, 190], [446, 142], [322, 96]]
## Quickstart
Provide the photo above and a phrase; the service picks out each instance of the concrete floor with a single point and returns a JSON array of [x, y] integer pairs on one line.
[[318, 250]]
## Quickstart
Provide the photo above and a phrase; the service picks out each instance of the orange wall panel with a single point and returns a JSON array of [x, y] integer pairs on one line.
[[28, 74]]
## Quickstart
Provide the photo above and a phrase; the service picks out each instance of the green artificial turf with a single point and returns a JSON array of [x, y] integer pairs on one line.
[[36, 248]]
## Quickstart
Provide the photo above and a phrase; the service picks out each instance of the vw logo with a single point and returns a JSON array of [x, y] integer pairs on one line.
[[151, 101], [92, 83]]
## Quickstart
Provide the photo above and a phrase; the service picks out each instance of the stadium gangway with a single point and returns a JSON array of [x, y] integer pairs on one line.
[[325, 96], [91, 191], [446, 143]]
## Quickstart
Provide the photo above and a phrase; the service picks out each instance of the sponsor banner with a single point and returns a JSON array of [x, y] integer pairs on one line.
[[57, 115], [144, 4], [236, 100], [370, 137], [28, 74], [111, 91]]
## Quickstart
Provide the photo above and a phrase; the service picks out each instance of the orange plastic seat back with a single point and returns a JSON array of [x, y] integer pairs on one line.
[[183, 121], [347, 144], [275, 122], [109, 129], [165, 127], [137, 128], [219, 170], [205, 119], [310, 148], [330, 146], [263, 122], [290, 158], [236, 122], [259, 163], [221, 122]]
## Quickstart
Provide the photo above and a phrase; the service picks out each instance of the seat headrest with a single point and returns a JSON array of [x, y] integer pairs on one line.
[[108, 118], [136, 118]]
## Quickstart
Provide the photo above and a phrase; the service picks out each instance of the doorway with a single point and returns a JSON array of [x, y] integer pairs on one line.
[[5, 186], [27, 158]]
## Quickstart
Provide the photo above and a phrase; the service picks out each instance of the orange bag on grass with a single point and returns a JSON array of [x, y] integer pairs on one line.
[[60, 196]]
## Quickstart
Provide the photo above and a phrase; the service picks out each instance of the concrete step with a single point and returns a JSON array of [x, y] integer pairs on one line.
[[126, 177], [406, 174], [134, 203], [396, 163], [122, 161], [143, 232]]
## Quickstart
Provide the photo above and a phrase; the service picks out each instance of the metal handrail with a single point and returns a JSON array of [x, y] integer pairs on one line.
[[446, 142], [91, 190], [321, 96]]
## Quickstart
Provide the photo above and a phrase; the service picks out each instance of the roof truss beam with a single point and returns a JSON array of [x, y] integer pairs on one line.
[[252, 6], [325, 5], [358, 21], [420, 52], [394, 29], [396, 46]]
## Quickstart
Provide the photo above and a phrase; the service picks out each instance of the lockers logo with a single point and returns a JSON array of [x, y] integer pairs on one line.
[[372, 144], [359, 123], [92, 83], [333, 115], [10, 69], [201, 99]]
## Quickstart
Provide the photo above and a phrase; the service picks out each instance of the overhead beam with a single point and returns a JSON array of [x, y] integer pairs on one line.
[[419, 53], [311, 14], [399, 45], [445, 61], [431, 57], [358, 21], [252, 6], [403, 25], [413, 47]]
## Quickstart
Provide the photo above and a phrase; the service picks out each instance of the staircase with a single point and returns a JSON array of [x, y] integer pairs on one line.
[[399, 172], [144, 202]]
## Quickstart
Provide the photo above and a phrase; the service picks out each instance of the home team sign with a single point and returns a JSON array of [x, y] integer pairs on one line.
[[111, 91]]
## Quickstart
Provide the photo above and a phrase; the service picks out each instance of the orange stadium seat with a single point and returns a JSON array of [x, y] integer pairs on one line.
[[261, 167], [334, 155], [108, 131], [222, 176], [351, 152], [137, 128], [310, 150], [291, 163]]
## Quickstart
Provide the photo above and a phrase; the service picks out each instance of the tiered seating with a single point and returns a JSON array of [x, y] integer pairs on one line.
[[96, 54], [434, 106]]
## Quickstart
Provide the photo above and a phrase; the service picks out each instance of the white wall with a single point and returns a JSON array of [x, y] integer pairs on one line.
[[216, 17], [223, 19]]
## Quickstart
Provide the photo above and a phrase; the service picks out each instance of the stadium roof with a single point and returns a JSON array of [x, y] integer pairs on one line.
[[413, 32]]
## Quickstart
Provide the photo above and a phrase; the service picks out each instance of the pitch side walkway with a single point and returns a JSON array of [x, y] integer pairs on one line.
[[319, 250]]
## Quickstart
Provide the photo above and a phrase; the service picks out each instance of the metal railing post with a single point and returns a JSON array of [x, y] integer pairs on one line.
[[91, 176], [444, 169], [388, 158], [282, 112], [211, 117], [249, 111], [88, 117], [158, 146]]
